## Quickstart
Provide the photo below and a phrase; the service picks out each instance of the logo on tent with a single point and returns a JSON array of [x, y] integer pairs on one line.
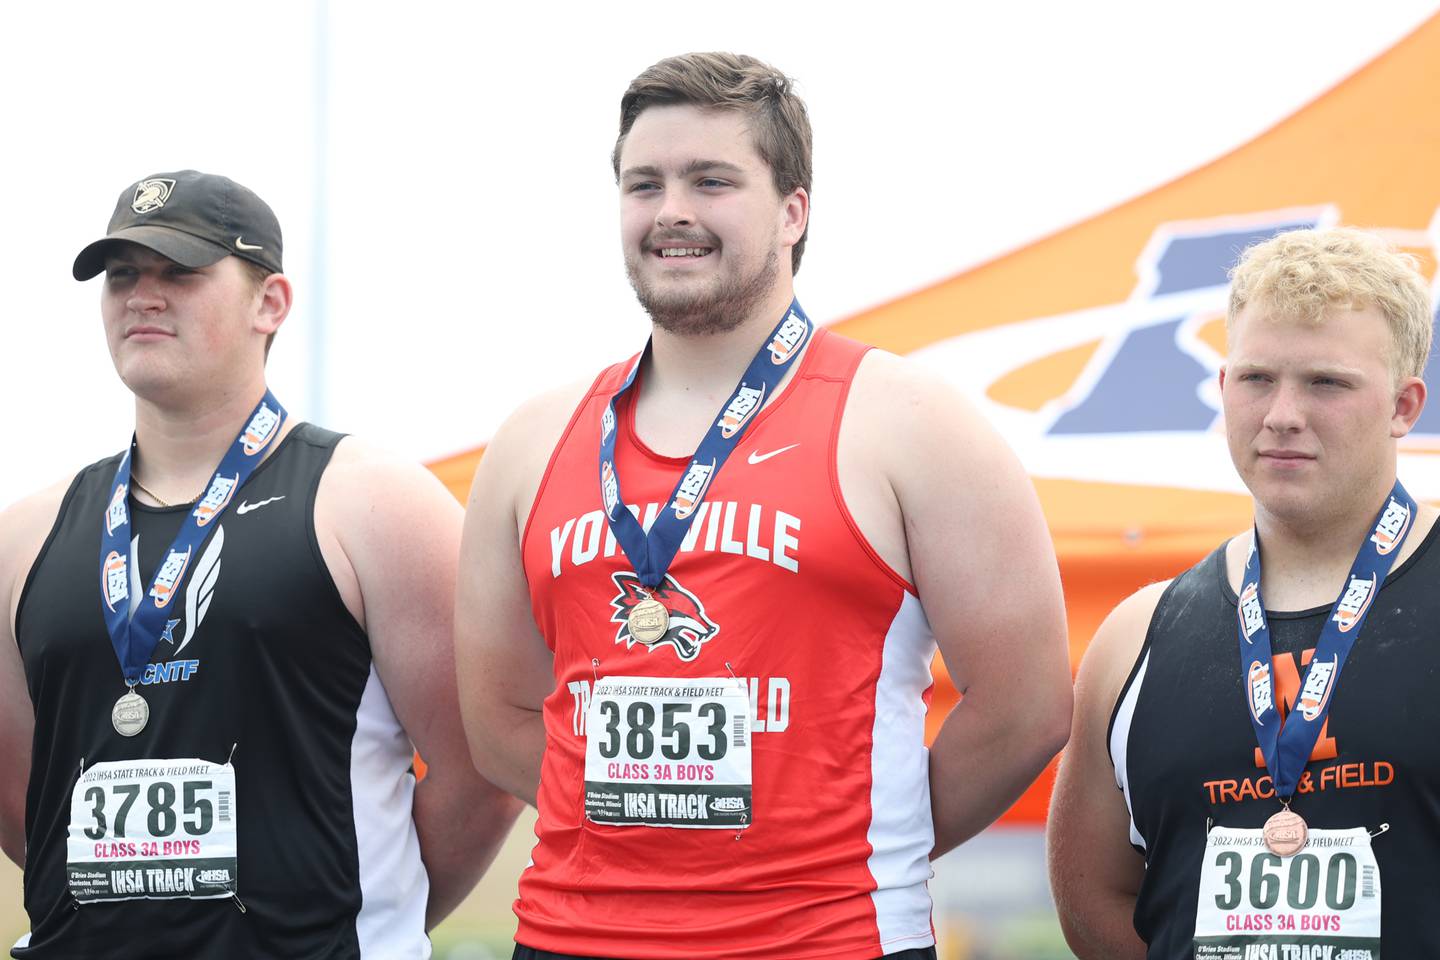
[[1128, 392]]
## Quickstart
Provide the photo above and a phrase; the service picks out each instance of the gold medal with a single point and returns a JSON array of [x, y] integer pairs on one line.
[[648, 620], [130, 714], [1285, 833]]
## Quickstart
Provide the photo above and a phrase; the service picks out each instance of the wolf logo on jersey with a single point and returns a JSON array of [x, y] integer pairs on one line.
[[689, 626]]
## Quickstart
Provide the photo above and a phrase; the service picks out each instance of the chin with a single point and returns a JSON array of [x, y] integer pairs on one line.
[[703, 305], [1279, 495], [1303, 507], [152, 382], [1289, 509], [695, 319]]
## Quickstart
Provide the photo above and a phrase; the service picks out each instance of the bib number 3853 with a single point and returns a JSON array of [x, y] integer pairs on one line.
[[1322, 903], [668, 753], [154, 829]]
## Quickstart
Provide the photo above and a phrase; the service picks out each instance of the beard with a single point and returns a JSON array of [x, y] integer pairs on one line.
[[718, 306]]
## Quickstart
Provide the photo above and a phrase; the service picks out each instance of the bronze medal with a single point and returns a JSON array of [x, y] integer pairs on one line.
[[130, 714], [649, 621], [1285, 833]]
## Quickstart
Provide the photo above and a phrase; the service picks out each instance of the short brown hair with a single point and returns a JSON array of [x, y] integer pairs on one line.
[[1301, 274], [732, 81]]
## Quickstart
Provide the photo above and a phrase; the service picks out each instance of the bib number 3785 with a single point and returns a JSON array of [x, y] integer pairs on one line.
[[1322, 903], [155, 829], [668, 753]]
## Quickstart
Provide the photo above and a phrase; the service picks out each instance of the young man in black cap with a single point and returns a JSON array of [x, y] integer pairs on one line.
[[219, 646]]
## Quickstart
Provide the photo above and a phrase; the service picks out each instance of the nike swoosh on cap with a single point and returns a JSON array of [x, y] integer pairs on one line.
[[240, 244]]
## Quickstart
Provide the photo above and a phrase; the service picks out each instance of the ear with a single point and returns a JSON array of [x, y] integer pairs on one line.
[[1409, 402], [794, 216], [1222, 378], [273, 303]]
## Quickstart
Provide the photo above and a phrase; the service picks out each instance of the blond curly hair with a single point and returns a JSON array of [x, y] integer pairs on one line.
[[1302, 274]]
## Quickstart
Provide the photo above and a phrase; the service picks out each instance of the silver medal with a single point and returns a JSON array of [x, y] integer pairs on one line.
[[130, 714]]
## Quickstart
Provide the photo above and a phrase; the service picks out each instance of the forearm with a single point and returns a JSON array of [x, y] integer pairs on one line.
[[1102, 927], [12, 841], [507, 749], [980, 763], [461, 822], [12, 816]]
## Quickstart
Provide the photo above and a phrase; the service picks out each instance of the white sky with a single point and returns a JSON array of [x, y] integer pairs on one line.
[[470, 251]]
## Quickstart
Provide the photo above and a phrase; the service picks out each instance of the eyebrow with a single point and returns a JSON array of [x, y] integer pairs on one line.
[[693, 167], [1310, 370]]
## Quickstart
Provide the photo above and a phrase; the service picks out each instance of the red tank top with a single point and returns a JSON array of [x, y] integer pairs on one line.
[[836, 654]]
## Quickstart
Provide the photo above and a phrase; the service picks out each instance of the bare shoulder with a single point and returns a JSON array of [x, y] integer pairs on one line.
[[536, 425], [379, 519], [24, 525], [32, 514], [379, 508], [1083, 790], [908, 393], [361, 468], [910, 442], [516, 457], [1112, 652], [911, 420], [892, 369]]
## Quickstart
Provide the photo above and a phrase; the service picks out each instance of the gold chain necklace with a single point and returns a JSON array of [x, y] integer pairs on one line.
[[151, 493]]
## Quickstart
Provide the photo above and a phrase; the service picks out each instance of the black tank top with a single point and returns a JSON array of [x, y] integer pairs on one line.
[[1184, 749], [264, 657]]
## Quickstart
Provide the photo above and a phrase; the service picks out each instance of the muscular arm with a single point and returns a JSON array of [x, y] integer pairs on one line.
[[403, 558], [968, 530], [23, 528], [505, 670], [1094, 871]]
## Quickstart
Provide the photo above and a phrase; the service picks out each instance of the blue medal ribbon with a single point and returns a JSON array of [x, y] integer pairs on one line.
[[651, 553], [134, 637], [1286, 748]]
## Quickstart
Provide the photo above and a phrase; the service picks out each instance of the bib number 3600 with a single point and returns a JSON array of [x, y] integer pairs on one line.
[[1322, 903], [668, 753], [154, 829]]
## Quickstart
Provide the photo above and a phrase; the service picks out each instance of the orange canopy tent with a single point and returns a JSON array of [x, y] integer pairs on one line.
[[1095, 350]]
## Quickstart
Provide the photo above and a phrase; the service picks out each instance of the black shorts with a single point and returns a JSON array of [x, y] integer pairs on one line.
[[528, 953]]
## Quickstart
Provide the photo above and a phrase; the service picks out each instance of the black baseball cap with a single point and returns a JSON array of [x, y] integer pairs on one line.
[[193, 218]]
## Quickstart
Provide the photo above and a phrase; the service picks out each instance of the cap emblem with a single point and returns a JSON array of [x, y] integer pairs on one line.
[[151, 194]]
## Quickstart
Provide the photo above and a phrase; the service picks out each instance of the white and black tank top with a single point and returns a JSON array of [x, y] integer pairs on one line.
[[1185, 753], [262, 657]]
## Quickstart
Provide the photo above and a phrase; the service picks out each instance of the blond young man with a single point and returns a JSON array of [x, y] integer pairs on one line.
[[1254, 765], [218, 733], [722, 722]]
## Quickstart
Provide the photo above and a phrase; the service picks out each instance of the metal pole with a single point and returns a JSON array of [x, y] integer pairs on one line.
[[320, 203]]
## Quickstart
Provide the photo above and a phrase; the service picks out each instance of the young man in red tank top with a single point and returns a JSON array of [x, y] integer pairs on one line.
[[759, 664]]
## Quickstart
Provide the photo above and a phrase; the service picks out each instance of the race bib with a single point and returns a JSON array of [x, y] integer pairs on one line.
[[155, 829], [1322, 903], [668, 753]]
